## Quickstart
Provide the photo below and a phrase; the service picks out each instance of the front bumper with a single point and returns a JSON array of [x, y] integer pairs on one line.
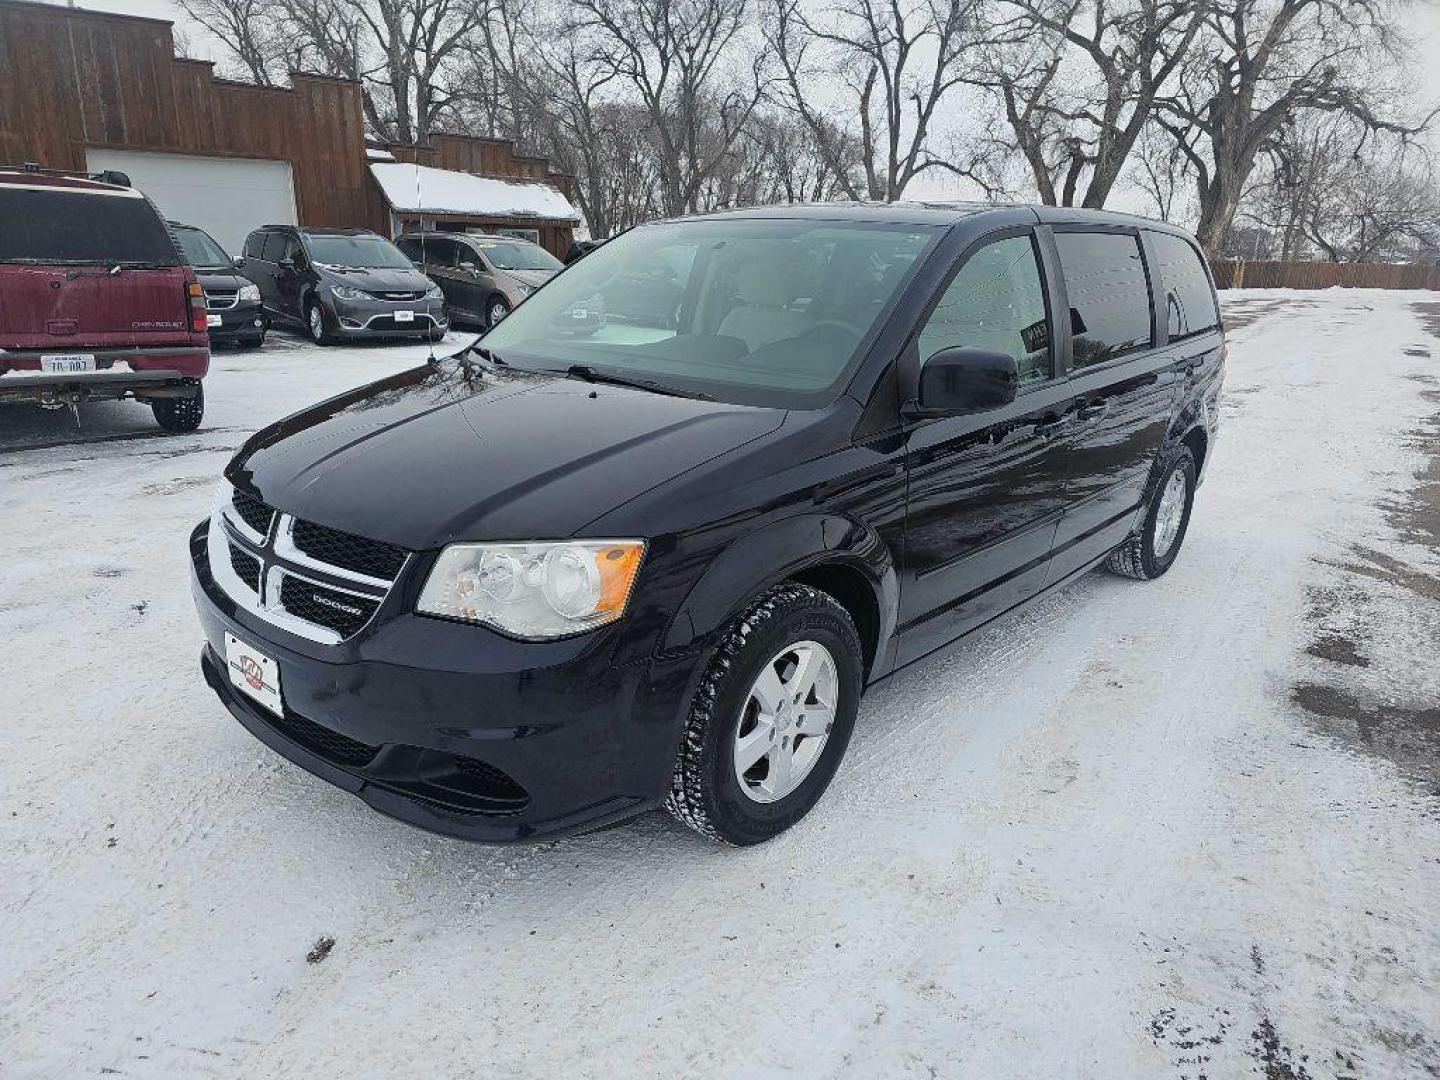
[[244, 322], [456, 729], [377, 318]]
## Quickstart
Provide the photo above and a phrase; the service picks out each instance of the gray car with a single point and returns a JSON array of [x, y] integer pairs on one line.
[[342, 284], [483, 278]]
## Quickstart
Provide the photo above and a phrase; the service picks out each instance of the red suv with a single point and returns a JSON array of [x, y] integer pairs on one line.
[[96, 301]]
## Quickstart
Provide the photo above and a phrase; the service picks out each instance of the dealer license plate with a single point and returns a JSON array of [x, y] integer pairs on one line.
[[214, 320], [404, 316], [67, 363], [254, 673]]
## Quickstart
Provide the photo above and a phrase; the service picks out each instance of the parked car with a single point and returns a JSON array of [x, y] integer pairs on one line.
[[232, 302], [484, 278], [342, 284], [560, 579], [95, 301]]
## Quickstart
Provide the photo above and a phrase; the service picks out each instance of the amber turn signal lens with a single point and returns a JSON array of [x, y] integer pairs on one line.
[[617, 566]]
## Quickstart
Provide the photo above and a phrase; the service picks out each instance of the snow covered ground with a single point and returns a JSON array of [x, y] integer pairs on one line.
[[1180, 829]]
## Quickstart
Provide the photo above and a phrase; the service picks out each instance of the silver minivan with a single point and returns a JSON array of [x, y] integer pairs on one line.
[[483, 277]]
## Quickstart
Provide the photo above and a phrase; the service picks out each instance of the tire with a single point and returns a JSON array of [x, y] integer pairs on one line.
[[708, 791], [316, 324], [179, 415], [496, 310], [1138, 556]]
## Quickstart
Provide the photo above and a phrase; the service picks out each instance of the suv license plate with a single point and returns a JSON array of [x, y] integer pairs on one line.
[[67, 363], [404, 316], [254, 673]]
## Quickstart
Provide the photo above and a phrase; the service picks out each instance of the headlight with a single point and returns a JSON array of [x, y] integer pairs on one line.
[[434, 293], [525, 290], [542, 590], [249, 292], [345, 292]]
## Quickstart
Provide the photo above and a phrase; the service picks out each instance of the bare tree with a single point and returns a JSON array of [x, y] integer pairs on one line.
[[250, 31], [1262, 64], [897, 61], [1078, 82], [671, 54]]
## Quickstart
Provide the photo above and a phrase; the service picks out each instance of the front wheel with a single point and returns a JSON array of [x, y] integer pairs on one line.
[[1152, 549], [771, 718], [180, 415], [496, 311], [315, 323]]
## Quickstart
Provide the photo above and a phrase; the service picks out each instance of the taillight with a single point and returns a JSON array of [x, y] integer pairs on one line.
[[199, 316]]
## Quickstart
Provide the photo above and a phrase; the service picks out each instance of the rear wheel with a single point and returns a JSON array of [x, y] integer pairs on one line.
[[180, 414], [1152, 549], [771, 718]]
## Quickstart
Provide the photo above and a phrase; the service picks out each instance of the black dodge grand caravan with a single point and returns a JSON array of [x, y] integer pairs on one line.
[[595, 564]]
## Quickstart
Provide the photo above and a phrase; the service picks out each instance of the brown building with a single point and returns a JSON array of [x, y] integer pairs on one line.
[[89, 90]]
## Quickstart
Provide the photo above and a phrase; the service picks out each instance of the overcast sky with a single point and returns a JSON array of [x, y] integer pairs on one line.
[[1425, 16]]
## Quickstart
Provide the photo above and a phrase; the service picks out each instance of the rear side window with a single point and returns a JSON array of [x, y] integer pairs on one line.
[[274, 247], [1189, 303], [1109, 296], [996, 301], [43, 225]]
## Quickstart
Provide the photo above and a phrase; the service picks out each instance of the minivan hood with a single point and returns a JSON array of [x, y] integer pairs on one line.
[[459, 452], [376, 278]]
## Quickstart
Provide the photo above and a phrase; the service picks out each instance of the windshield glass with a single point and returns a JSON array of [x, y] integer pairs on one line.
[[517, 255], [199, 249], [371, 252], [52, 226], [765, 312]]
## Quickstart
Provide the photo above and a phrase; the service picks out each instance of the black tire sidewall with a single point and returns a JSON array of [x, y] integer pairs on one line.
[[495, 301], [740, 819], [1154, 566]]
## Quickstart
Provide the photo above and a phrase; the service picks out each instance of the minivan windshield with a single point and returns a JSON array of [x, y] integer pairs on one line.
[[53, 226], [200, 250], [517, 255], [367, 252], [747, 310]]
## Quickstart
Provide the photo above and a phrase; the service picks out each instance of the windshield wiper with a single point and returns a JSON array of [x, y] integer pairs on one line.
[[592, 375]]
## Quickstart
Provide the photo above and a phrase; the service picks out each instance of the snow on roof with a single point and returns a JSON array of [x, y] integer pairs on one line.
[[421, 189]]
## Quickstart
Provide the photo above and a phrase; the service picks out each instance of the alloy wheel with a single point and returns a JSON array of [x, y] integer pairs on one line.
[[786, 721], [1169, 513]]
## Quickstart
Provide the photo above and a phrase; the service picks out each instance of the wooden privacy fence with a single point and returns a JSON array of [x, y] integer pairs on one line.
[[1245, 274]]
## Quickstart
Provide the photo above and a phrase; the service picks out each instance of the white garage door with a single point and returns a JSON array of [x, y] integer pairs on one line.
[[227, 197]]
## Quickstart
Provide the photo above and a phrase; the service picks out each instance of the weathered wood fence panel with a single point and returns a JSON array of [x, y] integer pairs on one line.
[[1245, 274]]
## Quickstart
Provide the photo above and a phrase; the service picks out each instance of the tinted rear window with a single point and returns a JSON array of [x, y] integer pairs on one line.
[[48, 226], [1188, 300], [1109, 297]]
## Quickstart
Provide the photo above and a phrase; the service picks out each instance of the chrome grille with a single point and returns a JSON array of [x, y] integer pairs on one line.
[[220, 300], [309, 579], [403, 295]]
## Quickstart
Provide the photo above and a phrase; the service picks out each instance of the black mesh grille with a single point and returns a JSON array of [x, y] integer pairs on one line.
[[462, 785], [252, 511], [349, 552], [342, 612], [246, 567], [331, 745]]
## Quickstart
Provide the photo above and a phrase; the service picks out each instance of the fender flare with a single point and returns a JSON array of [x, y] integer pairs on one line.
[[778, 551]]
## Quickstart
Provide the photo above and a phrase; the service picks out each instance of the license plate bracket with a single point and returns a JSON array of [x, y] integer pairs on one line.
[[254, 674]]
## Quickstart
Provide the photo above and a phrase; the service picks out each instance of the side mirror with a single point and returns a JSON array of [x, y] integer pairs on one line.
[[967, 380], [470, 267], [287, 264], [238, 261]]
